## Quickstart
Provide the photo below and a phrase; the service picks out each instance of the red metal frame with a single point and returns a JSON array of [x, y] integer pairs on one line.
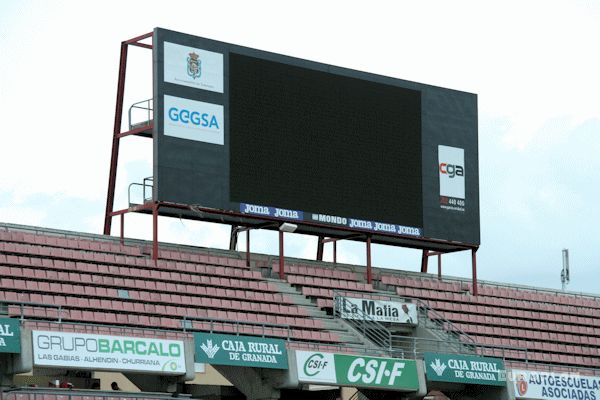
[[154, 206], [117, 134]]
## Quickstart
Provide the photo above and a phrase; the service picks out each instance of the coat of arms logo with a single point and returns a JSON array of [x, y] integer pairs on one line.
[[194, 65]]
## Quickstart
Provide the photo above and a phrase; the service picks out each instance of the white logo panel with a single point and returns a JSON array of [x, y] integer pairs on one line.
[[451, 169], [189, 66], [193, 120]]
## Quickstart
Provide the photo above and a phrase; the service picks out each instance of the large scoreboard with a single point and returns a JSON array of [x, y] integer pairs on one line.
[[264, 135]]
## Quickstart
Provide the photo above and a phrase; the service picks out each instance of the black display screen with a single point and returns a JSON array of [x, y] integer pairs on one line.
[[315, 141], [333, 150]]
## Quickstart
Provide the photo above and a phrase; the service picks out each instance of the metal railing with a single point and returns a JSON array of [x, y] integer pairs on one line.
[[147, 187], [8, 307], [145, 107], [188, 324], [368, 327], [416, 347], [435, 320]]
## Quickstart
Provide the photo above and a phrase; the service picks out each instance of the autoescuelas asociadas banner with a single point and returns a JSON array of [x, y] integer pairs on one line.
[[357, 371], [541, 385], [109, 353]]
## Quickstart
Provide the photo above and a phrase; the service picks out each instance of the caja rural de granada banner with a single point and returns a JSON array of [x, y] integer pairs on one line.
[[356, 371], [110, 353], [10, 335], [462, 368], [542, 385], [242, 351]]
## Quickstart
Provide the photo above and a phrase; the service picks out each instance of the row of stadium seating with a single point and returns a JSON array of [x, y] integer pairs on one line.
[[97, 279], [104, 286]]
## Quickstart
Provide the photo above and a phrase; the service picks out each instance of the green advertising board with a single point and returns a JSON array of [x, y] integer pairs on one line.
[[241, 351], [461, 368], [10, 335], [357, 371]]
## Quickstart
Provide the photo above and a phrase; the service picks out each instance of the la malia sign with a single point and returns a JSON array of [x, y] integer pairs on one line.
[[378, 310], [242, 351], [461, 368], [356, 371], [10, 335]]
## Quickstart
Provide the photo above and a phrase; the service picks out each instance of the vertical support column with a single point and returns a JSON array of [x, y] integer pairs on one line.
[[155, 232], [122, 229], [439, 266], [281, 273], [369, 270], [114, 157], [474, 265], [424, 260], [248, 248], [320, 246], [233, 238], [335, 251]]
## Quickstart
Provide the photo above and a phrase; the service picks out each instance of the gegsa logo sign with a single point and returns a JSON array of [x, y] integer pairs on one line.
[[193, 120], [451, 169]]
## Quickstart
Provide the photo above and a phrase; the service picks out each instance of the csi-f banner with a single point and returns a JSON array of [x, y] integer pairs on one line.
[[378, 310], [241, 351], [356, 371], [544, 385], [10, 335], [110, 353], [465, 369]]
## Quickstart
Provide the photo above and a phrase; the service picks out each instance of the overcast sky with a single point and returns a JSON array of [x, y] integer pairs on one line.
[[534, 65]]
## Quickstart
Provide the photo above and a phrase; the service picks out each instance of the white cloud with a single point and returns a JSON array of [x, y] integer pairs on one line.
[[533, 64]]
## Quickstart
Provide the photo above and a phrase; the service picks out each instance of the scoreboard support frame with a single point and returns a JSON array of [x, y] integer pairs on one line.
[[153, 207]]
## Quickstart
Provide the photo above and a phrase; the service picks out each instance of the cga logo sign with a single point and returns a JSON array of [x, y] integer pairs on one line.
[[193, 120], [451, 170]]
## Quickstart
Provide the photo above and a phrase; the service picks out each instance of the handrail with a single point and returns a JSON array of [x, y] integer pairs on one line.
[[186, 324], [440, 322], [371, 329], [144, 185], [419, 343], [24, 304], [419, 346], [445, 324], [139, 105]]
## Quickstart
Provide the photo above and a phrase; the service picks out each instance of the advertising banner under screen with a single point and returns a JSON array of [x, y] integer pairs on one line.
[[264, 135]]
